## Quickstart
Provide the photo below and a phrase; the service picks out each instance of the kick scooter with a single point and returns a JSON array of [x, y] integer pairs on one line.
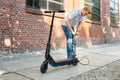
[[48, 58]]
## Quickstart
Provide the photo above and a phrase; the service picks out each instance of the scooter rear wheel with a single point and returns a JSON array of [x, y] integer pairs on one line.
[[44, 67]]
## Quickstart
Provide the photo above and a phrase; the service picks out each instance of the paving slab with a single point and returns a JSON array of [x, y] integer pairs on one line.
[[62, 73], [23, 64], [2, 71], [100, 60], [29, 68], [13, 76]]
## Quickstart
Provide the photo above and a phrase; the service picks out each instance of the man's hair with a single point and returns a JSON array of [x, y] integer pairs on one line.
[[87, 9]]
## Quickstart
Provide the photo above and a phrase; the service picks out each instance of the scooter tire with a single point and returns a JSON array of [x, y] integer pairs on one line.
[[44, 67], [74, 64]]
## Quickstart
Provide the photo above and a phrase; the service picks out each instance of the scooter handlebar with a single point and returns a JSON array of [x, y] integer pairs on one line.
[[59, 11]]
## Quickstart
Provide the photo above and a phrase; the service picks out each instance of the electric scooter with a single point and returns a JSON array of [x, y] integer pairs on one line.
[[48, 58]]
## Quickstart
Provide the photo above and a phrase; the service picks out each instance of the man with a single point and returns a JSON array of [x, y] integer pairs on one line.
[[71, 22]]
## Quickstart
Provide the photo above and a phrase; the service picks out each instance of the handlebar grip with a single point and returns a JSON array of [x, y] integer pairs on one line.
[[60, 11], [47, 11]]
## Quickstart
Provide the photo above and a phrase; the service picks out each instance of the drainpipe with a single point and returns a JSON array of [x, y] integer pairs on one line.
[[105, 20], [108, 28]]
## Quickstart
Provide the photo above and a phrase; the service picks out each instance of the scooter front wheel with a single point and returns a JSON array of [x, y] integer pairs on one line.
[[44, 67]]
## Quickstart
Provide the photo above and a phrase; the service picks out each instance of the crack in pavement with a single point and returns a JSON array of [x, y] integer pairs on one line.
[[18, 75]]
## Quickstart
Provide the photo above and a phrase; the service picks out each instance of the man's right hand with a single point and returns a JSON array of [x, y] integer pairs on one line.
[[73, 33]]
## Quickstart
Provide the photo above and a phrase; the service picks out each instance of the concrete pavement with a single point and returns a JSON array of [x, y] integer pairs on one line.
[[28, 68]]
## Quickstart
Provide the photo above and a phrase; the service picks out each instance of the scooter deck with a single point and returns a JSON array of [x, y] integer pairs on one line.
[[63, 62], [67, 61]]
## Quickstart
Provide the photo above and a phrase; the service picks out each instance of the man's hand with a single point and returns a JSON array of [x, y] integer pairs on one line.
[[77, 33], [73, 33]]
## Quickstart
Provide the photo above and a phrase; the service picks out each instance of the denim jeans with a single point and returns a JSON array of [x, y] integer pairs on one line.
[[69, 42]]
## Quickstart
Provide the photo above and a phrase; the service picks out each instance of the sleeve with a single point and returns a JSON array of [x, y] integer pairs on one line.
[[83, 18], [73, 14]]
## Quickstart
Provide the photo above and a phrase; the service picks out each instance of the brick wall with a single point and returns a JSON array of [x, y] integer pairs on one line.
[[111, 32], [21, 31], [24, 31]]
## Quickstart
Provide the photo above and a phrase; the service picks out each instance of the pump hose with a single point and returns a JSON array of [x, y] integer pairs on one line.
[[82, 59]]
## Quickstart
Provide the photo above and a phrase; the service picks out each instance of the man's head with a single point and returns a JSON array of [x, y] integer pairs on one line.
[[85, 11]]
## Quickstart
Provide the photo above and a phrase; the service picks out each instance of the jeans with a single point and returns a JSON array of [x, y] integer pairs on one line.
[[69, 42]]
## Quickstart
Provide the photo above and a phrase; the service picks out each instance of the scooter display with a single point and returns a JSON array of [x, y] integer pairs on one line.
[[48, 58]]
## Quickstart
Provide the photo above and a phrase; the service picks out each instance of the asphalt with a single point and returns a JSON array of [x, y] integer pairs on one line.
[[27, 66]]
